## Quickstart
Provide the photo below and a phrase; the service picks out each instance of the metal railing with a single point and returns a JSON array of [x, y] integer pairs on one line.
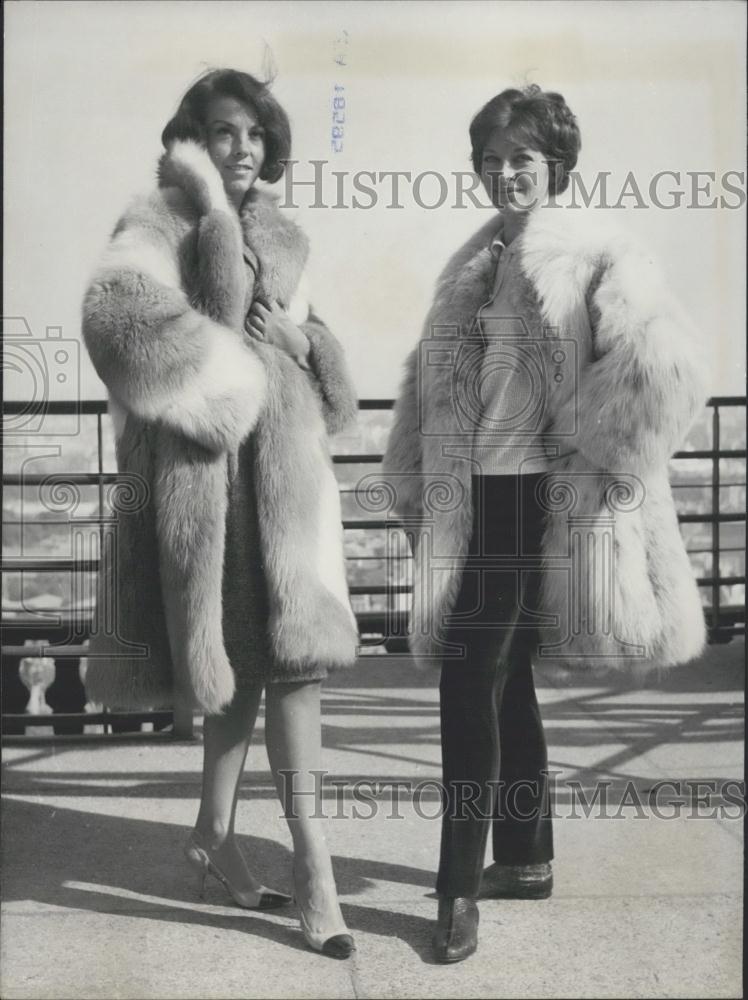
[[39, 632]]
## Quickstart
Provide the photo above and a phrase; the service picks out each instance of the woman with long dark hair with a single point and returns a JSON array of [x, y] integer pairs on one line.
[[227, 573]]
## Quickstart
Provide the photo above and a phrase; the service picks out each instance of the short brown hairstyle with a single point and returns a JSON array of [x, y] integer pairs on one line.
[[189, 120], [543, 118]]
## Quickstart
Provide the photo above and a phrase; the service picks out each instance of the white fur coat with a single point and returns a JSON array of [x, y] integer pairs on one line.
[[163, 321], [618, 589]]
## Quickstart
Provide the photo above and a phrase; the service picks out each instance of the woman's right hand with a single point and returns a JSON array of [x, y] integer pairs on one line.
[[272, 325]]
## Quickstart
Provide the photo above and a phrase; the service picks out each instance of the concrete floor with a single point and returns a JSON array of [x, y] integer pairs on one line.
[[648, 900]]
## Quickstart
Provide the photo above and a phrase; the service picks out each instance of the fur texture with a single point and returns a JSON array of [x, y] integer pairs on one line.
[[618, 587], [163, 322]]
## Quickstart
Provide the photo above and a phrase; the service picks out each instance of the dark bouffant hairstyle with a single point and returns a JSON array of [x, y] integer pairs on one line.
[[189, 120], [544, 121]]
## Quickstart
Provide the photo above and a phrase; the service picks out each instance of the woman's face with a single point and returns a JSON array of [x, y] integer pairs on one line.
[[235, 143], [515, 175]]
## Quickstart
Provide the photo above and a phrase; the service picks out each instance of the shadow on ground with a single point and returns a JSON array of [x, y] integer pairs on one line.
[[115, 865]]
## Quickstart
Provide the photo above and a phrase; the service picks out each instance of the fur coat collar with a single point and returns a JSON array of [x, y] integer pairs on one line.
[[618, 589], [163, 321]]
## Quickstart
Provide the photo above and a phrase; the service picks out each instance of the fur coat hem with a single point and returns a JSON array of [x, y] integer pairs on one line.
[[618, 590]]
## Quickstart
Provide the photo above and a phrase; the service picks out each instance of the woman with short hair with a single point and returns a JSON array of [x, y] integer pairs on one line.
[[554, 378], [228, 571]]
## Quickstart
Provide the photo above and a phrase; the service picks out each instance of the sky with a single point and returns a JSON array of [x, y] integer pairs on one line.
[[655, 87]]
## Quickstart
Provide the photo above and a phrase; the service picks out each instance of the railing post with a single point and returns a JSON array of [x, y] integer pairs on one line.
[[15, 695], [66, 694], [100, 484], [715, 523]]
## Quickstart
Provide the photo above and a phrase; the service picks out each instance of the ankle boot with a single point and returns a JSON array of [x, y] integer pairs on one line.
[[456, 934]]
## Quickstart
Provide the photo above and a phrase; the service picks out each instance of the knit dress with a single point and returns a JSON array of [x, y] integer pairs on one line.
[[246, 607]]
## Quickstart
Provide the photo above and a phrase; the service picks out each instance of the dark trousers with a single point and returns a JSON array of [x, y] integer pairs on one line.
[[494, 756]]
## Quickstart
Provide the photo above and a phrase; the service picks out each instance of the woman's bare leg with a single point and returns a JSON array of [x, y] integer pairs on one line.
[[226, 739], [293, 737]]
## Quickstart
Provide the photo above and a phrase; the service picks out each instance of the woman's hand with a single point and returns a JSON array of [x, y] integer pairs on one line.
[[273, 326]]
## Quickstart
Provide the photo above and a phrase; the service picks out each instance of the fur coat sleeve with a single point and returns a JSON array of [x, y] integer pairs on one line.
[[646, 382], [163, 357], [332, 378]]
